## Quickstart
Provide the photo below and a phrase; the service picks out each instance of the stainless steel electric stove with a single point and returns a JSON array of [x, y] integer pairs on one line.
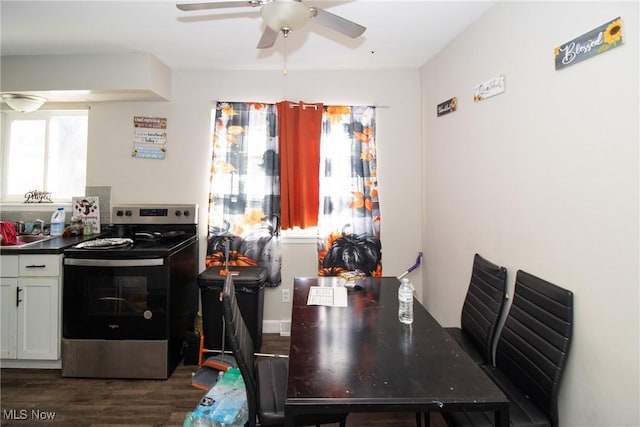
[[130, 295]]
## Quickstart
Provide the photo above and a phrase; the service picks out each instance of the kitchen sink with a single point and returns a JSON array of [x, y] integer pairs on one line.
[[27, 239], [32, 238]]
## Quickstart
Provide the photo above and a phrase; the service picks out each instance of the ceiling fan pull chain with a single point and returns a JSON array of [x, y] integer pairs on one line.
[[286, 33]]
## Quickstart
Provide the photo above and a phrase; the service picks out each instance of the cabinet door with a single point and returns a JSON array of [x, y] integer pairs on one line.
[[38, 319], [8, 312]]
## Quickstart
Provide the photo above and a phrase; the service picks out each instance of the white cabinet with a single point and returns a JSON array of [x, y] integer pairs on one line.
[[8, 317], [9, 267], [30, 295]]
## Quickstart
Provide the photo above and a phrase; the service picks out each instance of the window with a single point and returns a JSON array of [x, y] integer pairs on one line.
[[250, 144], [44, 151]]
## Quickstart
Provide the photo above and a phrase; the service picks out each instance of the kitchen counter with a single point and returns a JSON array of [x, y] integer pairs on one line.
[[54, 245]]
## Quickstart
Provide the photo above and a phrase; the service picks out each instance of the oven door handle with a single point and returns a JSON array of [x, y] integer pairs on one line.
[[88, 262]]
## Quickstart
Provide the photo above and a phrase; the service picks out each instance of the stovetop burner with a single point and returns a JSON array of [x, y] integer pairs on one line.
[[156, 235]]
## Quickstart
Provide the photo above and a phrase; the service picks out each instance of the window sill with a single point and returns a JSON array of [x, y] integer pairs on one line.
[[299, 237], [33, 207]]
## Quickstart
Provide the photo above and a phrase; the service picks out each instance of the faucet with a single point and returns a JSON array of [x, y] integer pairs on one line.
[[41, 224], [20, 227]]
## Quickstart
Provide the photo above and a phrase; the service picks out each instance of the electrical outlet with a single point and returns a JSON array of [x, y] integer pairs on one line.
[[285, 328], [286, 295]]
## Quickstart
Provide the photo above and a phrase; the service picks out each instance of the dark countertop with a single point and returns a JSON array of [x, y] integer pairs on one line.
[[55, 245]]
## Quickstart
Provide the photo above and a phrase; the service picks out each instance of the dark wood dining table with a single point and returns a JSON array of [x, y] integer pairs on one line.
[[361, 358]]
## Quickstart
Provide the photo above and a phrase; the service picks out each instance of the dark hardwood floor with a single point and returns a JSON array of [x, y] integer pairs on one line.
[[26, 394]]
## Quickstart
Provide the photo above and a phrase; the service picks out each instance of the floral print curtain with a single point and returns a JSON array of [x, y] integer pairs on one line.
[[244, 199], [349, 217]]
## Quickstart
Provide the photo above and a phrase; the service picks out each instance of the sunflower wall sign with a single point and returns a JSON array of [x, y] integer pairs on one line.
[[149, 137], [595, 42], [446, 107]]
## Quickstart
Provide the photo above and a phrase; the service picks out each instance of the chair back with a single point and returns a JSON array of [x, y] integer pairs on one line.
[[241, 344], [483, 305], [533, 346]]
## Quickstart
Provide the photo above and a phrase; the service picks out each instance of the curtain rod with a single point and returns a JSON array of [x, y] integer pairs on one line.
[[295, 104], [315, 107], [304, 106]]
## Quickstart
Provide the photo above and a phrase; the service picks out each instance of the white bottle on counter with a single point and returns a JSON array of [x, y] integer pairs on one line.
[[57, 222]]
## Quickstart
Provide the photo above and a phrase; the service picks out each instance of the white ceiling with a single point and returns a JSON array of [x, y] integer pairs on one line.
[[400, 34]]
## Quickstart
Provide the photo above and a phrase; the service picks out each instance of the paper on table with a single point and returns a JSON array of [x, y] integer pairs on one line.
[[331, 297]]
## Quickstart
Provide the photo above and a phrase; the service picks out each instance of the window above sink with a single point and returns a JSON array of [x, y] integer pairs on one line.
[[44, 150]]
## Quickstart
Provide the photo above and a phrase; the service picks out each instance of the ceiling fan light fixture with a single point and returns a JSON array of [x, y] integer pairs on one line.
[[23, 103], [285, 14]]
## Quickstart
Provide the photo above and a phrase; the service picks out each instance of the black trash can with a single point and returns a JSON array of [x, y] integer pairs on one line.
[[249, 284]]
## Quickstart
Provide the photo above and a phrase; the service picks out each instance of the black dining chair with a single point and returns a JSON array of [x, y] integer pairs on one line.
[[531, 355], [266, 378], [481, 311]]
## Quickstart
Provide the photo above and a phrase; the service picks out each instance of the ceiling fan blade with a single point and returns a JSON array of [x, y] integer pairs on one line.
[[336, 23], [218, 5], [268, 38]]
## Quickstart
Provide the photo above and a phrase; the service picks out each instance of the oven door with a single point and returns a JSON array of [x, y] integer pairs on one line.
[[117, 299]]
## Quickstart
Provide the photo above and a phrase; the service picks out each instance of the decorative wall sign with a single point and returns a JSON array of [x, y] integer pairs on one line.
[[149, 130], [141, 152], [599, 40], [489, 88], [447, 106], [88, 209], [37, 196], [149, 137]]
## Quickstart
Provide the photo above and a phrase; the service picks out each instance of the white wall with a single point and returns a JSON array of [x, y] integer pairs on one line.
[[184, 175], [544, 178]]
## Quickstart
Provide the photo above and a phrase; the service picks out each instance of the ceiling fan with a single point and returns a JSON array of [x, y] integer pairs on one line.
[[284, 16]]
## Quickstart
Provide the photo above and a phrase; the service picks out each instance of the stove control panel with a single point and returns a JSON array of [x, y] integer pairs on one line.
[[154, 214]]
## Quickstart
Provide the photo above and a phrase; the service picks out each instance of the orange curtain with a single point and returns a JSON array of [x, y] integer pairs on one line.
[[299, 131]]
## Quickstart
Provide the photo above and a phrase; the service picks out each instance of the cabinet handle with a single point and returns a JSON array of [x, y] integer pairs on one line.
[[36, 266], [18, 300]]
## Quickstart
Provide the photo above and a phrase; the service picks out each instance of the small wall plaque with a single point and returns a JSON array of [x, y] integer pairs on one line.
[[596, 41], [489, 88], [448, 106]]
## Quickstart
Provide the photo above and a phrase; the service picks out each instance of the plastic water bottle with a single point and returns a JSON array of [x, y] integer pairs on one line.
[[405, 301], [57, 222]]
